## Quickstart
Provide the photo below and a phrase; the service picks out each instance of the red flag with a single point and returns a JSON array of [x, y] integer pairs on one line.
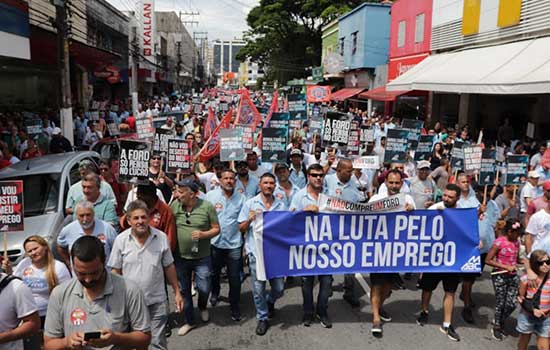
[[247, 113], [212, 147], [210, 125]]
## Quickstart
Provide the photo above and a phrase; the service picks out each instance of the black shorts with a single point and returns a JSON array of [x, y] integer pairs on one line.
[[378, 279], [430, 281], [471, 277]]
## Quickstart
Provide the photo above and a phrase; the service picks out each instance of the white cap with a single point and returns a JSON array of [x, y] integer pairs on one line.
[[533, 174], [56, 131]]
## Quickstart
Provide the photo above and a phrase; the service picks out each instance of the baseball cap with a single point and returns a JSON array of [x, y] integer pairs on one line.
[[533, 174], [295, 152], [56, 131], [423, 164], [280, 166], [188, 183], [546, 186]]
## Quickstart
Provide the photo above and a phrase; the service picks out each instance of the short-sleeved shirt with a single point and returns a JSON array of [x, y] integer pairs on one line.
[[539, 225], [228, 214], [503, 204], [347, 191], [528, 191], [262, 169], [144, 265], [200, 218], [256, 204], [73, 231], [302, 199], [105, 210], [297, 177], [280, 193], [537, 204], [544, 295], [408, 200], [507, 251], [209, 180], [487, 223], [441, 176], [35, 279], [468, 202], [76, 195], [422, 191], [120, 307], [544, 174], [16, 303], [250, 190]]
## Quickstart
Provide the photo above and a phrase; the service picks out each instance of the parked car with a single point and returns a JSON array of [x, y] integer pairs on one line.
[[46, 182]]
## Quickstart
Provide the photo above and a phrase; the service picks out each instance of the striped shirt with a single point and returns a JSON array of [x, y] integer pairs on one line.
[[544, 295]]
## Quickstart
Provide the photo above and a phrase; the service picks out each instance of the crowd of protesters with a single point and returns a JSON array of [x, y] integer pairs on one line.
[[126, 244]]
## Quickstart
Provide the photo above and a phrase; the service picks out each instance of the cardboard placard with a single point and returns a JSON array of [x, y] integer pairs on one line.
[[353, 141], [160, 140], [144, 128], [516, 168], [472, 159], [231, 144], [178, 155], [12, 212], [278, 120], [367, 162], [248, 137], [33, 126], [367, 134], [336, 130], [274, 141], [457, 156], [113, 129], [133, 164], [424, 148], [488, 170], [396, 146]]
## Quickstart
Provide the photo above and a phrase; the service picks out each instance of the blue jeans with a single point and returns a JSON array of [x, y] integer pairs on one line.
[[261, 297], [202, 268], [325, 284], [232, 258]]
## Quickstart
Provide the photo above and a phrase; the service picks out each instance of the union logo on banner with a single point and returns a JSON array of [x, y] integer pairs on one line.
[[318, 93]]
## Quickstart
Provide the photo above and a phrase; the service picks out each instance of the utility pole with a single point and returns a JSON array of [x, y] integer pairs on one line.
[[199, 37], [190, 22], [135, 71], [65, 112], [178, 67]]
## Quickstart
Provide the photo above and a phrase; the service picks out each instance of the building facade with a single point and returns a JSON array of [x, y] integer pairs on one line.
[[225, 59]]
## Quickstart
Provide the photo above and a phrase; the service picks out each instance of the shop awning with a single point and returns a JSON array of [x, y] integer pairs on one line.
[[517, 68], [345, 93], [381, 94]]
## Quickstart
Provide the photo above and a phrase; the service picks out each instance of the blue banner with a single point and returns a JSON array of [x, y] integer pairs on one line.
[[301, 244]]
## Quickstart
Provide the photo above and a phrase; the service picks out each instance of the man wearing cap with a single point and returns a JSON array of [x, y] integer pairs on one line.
[[246, 185], [76, 194], [59, 143], [422, 187], [227, 246], [197, 223], [284, 189], [297, 169], [530, 191]]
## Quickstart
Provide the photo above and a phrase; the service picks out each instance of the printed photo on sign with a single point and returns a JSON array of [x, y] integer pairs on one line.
[[274, 145], [516, 169], [396, 146], [133, 165], [336, 130], [178, 156], [231, 144], [11, 206]]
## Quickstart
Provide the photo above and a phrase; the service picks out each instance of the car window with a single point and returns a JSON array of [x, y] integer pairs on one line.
[[40, 193], [74, 175]]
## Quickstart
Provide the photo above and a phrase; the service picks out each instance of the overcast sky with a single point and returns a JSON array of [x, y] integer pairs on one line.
[[222, 19]]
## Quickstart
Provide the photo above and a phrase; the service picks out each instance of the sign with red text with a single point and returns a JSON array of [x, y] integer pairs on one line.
[[147, 29], [11, 206]]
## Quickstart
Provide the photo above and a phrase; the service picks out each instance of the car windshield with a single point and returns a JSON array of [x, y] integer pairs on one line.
[[40, 193]]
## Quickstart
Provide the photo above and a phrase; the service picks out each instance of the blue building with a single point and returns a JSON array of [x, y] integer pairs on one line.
[[363, 41]]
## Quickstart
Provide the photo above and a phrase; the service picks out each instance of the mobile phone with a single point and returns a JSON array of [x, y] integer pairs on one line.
[[92, 335]]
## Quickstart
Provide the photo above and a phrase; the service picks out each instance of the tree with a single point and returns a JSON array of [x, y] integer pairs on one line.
[[285, 35]]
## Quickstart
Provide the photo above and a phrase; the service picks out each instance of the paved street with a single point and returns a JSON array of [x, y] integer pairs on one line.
[[351, 329]]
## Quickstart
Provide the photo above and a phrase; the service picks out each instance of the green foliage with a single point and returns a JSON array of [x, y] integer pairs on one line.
[[285, 35]]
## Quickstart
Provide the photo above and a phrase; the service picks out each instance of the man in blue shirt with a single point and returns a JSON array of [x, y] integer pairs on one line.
[[246, 185], [307, 199], [297, 168], [226, 247], [265, 201], [284, 189], [339, 185]]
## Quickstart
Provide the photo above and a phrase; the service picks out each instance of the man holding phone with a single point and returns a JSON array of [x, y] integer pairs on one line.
[[96, 309]]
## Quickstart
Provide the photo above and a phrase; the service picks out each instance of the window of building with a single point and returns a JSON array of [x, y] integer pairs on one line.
[[353, 43], [401, 34], [341, 45], [419, 29]]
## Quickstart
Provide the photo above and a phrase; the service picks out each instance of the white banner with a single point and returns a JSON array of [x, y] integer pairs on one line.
[[366, 162], [330, 204]]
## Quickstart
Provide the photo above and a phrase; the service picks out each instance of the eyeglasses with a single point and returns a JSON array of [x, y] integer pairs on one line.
[[188, 215], [542, 262], [317, 175], [155, 158]]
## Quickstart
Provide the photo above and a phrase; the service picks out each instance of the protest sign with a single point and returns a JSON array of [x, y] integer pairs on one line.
[[472, 159], [337, 205], [367, 134], [33, 126], [457, 156], [160, 140], [274, 145], [178, 155], [112, 128], [94, 115], [500, 154], [336, 130], [396, 146], [316, 125], [366, 162], [133, 161], [516, 168], [247, 137], [231, 145], [278, 120], [414, 127], [144, 128], [304, 244], [424, 148], [297, 108], [11, 206], [488, 167], [315, 111], [353, 141]]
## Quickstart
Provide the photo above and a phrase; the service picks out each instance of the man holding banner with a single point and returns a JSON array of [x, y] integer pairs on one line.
[[307, 199], [265, 201]]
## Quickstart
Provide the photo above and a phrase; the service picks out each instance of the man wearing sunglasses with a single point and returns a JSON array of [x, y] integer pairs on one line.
[[307, 199]]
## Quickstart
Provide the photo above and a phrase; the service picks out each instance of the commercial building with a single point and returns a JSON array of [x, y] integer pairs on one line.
[[225, 61]]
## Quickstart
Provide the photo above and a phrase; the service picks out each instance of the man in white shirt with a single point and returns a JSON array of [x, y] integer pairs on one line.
[[530, 191]]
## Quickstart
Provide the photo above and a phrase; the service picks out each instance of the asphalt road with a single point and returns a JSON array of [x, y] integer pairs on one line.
[[351, 327]]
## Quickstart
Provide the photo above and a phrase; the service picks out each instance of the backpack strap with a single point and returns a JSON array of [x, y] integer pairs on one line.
[[4, 283]]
